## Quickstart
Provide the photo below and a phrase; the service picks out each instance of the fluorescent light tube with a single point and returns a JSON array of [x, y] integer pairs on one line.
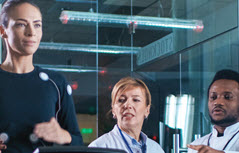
[[91, 48], [75, 17]]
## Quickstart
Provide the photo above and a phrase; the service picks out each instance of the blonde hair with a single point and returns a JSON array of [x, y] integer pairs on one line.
[[126, 83]]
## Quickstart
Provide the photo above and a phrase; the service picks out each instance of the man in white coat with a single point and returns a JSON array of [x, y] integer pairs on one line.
[[223, 106]]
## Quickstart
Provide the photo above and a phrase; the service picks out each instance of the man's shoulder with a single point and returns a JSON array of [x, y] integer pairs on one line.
[[201, 140]]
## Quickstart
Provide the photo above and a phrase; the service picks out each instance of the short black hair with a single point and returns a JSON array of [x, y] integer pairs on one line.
[[225, 74], [8, 5]]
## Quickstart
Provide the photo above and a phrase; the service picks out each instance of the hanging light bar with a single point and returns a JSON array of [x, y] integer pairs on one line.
[[77, 1], [74, 17], [91, 48], [70, 68]]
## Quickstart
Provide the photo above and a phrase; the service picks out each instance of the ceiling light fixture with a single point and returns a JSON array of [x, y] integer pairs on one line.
[[77, 1], [69, 68], [91, 48], [141, 22]]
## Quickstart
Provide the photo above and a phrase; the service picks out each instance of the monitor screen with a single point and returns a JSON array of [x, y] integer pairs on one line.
[[76, 149]]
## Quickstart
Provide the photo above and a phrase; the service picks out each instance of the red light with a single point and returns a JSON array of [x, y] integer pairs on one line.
[[154, 138], [135, 24], [198, 29], [74, 85], [65, 19], [102, 72]]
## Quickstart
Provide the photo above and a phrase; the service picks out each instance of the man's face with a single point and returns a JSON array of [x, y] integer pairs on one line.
[[223, 102]]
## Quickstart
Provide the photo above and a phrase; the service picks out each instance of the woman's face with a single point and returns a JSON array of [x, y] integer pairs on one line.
[[24, 31], [130, 108]]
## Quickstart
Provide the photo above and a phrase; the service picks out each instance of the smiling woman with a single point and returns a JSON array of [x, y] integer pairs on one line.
[[36, 104], [131, 101]]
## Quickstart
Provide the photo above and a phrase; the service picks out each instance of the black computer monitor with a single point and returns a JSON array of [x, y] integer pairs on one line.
[[76, 149]]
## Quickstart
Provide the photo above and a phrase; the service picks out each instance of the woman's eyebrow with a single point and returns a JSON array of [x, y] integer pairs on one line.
[[136, 96], [37, 21], [24, 20]]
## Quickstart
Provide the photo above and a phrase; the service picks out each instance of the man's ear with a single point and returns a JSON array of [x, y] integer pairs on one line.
[[2, 32]]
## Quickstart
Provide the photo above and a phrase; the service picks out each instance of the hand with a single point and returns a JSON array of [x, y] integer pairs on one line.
[[2, 146], [204, 149], [52, 132]]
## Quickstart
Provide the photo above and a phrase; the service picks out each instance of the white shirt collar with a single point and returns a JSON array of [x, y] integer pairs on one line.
[[130, 139], [228, 131]]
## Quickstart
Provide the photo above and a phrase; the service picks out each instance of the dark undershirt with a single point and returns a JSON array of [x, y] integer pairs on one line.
[[220, 134]]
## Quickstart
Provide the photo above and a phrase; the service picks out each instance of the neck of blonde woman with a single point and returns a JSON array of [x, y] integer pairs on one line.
[[133, 132]]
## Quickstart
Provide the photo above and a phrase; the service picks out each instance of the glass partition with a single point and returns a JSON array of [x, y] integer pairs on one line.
[[175, 47], [203, 61], [71, 49], [181, 63]]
